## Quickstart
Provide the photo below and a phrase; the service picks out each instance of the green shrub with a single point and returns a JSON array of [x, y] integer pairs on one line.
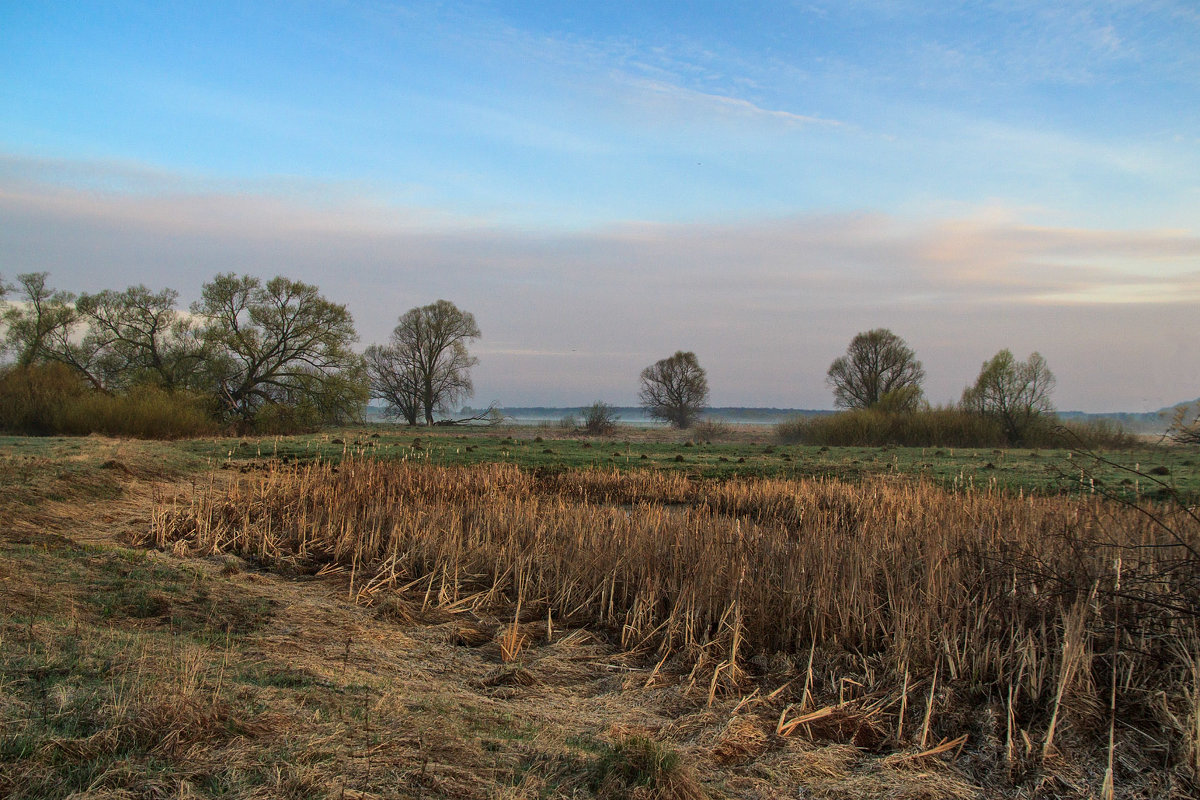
[[278, 419], [33, 398], [944, 427], [145, 412], [52, 399], [933, 427]]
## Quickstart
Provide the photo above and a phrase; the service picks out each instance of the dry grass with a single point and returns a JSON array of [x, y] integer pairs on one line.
[[914, 615], [110, 687]]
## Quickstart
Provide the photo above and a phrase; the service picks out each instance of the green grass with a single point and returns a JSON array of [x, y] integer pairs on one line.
[[278, 677], [116, 668], [36, 469], [76, 631]]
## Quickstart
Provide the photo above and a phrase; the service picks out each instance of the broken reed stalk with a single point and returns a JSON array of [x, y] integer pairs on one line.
[[513, 639], [945, 746], [929, 706], [1193, 733], [1108, 788]]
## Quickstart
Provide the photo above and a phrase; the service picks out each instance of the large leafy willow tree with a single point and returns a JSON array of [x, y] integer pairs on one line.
[[279, 345], [113, 340], [675, 389], [425, 367], [878, 370]]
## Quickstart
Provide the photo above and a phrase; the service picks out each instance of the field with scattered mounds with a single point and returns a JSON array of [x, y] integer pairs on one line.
[[377, 612], [730, 451]]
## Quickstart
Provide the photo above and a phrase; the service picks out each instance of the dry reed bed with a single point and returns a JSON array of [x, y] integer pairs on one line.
[[1047, 613]]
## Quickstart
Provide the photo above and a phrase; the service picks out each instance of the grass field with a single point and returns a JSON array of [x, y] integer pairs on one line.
[[735, 451], [361, 614]]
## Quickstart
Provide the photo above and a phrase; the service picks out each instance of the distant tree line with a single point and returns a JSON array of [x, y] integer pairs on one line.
[[249, 356], [277, 356]]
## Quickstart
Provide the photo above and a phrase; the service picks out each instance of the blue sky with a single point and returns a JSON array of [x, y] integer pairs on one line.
[[603, 184]]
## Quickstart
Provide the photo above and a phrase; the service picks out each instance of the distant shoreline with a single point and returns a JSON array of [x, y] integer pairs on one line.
[[637, 417], [1149, 422]]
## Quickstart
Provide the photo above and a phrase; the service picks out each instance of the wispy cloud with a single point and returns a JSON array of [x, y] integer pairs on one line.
[[660, 97], [142, 194]]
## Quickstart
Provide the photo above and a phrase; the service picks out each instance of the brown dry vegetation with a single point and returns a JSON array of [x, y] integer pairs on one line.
[[882, 639]]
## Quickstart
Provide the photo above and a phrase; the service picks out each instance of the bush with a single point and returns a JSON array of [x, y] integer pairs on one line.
[[52, 399], [33, 398], [1096, 434], [599, 418], [944, 427], [711, 429], [278, 419], [145, 412], [933, 427]]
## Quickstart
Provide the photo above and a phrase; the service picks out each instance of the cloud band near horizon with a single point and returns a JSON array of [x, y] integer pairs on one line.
[[572, 316]]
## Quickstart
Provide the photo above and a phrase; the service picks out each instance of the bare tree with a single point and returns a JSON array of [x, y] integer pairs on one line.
[[879, 369], [395, 379], [675, 389], [280, 343], [425, 367], [1183, 430], [1014, 393]]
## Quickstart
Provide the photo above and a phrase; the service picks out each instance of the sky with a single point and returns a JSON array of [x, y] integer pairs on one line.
[[602, 184]]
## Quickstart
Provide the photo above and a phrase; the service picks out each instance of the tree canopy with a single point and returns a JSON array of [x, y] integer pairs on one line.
[[879, 369], [249, 353], [1185, 425], [675, 389], [38, 328], [279, 344], [425, 367], [142, 338], [1014, 393]]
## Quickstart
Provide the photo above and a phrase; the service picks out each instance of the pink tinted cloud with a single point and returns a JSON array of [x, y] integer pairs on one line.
[[570, 317]]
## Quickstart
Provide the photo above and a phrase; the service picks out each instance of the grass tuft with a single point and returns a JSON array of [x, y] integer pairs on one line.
[[639, 767]]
